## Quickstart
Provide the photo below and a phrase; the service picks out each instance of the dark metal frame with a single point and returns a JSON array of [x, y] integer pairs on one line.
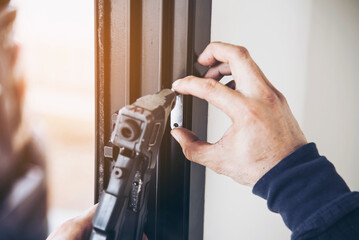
[[142, 46]]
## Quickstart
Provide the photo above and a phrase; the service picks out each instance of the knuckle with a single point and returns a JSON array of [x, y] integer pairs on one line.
[[210, 84], [241, 52], [188, 153], [270, 97]]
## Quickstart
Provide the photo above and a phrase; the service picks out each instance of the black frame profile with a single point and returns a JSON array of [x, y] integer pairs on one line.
[[142, 46]]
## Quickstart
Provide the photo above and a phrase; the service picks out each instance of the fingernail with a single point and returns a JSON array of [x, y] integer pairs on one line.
[[175, 83]]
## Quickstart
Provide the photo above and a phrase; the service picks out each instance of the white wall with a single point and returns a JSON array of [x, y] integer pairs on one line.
[[309, 51], [331, 112]]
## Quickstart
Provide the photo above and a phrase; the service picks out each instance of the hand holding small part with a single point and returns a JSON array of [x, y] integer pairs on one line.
[[263, 130]]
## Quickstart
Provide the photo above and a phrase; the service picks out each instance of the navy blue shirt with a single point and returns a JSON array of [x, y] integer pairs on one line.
[[313, 200]]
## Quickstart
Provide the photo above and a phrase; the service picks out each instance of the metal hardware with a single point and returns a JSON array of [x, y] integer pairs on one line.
[[177, 113]]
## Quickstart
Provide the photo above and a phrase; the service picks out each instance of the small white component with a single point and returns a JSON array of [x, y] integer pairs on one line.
[[177, 113]]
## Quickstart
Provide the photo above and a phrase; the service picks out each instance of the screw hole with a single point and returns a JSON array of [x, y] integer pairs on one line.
[[175, 125]]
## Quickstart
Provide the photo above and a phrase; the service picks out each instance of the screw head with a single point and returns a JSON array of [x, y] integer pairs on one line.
[[118, 172]]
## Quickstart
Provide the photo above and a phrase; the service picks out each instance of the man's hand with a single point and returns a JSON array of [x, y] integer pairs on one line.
[[77, 228], [263, 130]]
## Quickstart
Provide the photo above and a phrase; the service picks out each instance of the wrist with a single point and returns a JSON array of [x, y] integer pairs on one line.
[[265, 165]]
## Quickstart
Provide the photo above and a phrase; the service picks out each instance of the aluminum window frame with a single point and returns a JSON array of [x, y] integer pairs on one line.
[[142, 46]]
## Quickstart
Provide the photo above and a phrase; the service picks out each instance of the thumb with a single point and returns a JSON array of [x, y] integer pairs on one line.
[[193, 148]]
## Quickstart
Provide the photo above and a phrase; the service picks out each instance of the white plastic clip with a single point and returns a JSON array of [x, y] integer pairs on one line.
[[177, 113]]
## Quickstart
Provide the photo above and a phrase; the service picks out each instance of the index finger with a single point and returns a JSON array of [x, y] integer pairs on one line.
[[212, 91]]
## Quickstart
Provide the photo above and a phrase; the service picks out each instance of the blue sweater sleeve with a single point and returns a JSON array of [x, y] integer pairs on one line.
[[313, 200]]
